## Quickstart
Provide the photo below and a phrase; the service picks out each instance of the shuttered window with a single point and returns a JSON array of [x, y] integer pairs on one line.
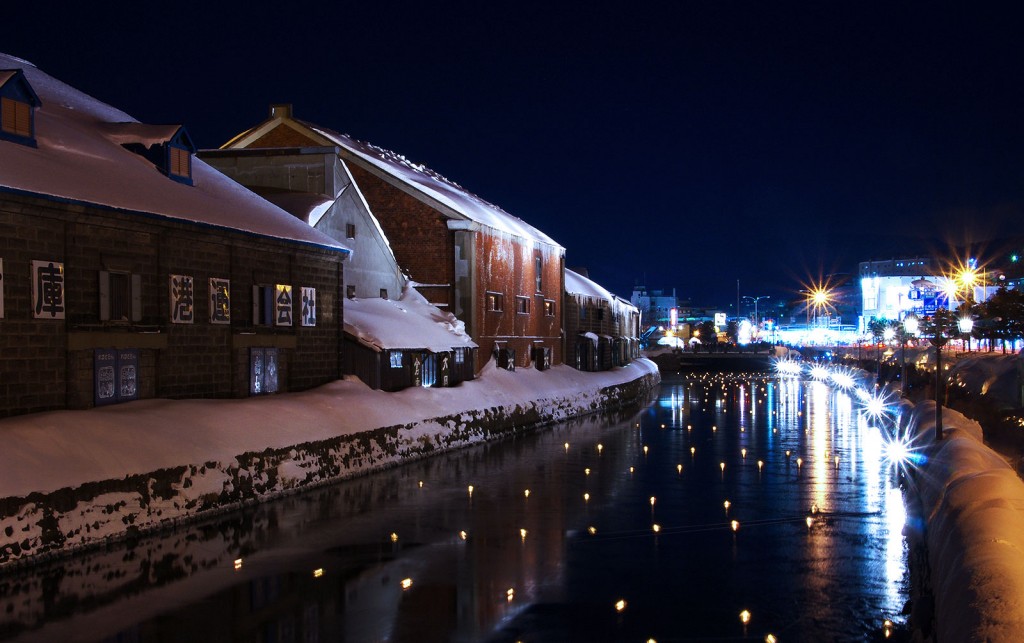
[[16, 117], [120, 296], [181, 162]]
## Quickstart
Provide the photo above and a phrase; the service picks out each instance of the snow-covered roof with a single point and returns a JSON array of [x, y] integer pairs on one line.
[[80, 158], [577, 284], [431, 184], [409, 323]]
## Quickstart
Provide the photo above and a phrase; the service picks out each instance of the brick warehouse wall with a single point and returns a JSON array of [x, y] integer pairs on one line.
[[424, 248], [418, 234], [48, 364]]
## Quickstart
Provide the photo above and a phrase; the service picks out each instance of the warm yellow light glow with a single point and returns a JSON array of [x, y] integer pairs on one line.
[[406, 583], [238, 563], [620, 605], [462, 535], [652, 501], [470, 491], [692, 450], [656, 527], [645, 449], [600, 448], [586, 497], [770, 639], [566, 446], [745, 617], [394, 537], [318, 572], [735, 525], [799, 462], [631, 469], [760, 464], [721, 465], [726, 504], [526, 493], [810, 521], [679, 468], [522, 534], [421, 484], [586, 471], [510, 594], [787, 453], [743, 452], [592, 530]]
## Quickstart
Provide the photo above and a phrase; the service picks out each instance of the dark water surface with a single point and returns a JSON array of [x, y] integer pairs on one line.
[[412, 554]]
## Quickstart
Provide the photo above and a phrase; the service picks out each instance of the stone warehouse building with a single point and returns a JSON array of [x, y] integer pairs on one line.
[[500, 276], [129, 269], [602, 330]]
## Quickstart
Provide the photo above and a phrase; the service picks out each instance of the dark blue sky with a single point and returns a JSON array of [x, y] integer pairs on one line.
[[690, 145]]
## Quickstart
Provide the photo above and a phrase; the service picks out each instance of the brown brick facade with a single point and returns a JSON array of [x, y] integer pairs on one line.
[[49, 363]]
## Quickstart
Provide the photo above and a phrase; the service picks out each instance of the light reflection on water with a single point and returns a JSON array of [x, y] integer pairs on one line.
[[499, 564]]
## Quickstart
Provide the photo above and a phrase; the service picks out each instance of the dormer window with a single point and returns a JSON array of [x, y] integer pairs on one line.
[[17, 108], [168, 147]]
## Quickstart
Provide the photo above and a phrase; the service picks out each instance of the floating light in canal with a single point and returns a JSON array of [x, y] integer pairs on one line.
[[814, 508], [663, 426], [726, 504], [837, 462], [510, 594], [462, 535], [406, 583], [787, 453], [760, 465], [600, 448], [631, 469], [887, 628], [318, 572], [526, 493], [652, 501], [809, 521], [745, 617], [394, 537], [735, 524], [692, 450], [721, 465], [656, 527], [586, 471], [645, 449], [620, 605], [586, 497], [714, 429], [238, 563], [470, 491], [421, 484], [522, 534], [689, 427], [566, 446], [591, 530], [743, 452], [770, 639], [799, 462], [679, 468]]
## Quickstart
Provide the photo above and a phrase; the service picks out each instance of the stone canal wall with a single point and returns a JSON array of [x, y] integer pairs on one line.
[[43, 525]]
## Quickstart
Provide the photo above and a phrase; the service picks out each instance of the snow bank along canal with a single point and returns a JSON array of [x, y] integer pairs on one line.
[[733, 506]]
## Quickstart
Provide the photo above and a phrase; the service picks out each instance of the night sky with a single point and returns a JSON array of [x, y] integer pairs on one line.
[[685, 146]]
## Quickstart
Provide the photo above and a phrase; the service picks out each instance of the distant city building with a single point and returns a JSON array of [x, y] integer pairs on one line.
[[654, 305]]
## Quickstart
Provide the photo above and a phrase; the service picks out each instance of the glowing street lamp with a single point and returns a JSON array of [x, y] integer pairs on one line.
[[965, 324], [910, 326]]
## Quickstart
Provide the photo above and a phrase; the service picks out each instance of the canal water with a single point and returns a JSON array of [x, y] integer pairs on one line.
[[733, 507]]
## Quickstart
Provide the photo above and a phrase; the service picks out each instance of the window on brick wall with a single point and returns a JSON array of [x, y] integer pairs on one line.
[[522, 305], [549, 308], [350, 231], [538, 267], [350, 291], [120, 296], [495, 302]]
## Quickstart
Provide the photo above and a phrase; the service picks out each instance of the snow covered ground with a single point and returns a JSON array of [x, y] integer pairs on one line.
[[71, 478], [973, 506]]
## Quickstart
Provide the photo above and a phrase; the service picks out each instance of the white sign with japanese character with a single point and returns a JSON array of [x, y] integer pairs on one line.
[[182, 290], [48, 290], [220, 301], [308, 306]]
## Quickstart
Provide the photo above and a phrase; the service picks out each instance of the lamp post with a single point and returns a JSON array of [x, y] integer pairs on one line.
[[755, 300], [910, 327], [938, 341]]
